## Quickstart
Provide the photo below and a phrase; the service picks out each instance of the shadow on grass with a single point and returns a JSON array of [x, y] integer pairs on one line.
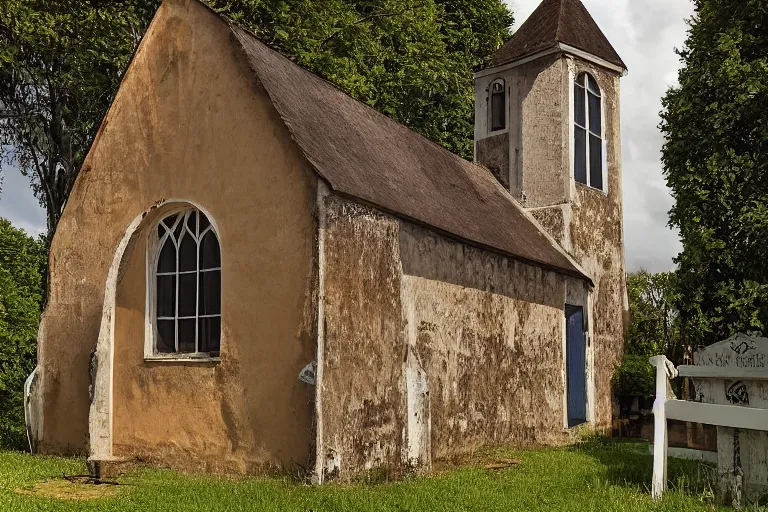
[[630, 463]]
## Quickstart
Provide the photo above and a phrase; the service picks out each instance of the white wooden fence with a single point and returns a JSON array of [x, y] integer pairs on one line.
[[668, 407]]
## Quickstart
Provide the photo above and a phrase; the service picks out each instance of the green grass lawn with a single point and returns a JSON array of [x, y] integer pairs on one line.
[[592, 476]]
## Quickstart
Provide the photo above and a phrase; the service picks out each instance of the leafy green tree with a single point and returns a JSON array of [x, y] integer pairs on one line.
[[22, 265], [654, 329], [61, 62], [634, 377], [410, 59], [654, 326], [716, 163]]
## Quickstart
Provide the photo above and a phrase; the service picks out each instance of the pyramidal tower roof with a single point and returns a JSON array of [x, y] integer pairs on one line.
[[554, 23]]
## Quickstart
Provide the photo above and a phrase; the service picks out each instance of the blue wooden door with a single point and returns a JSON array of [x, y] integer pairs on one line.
[[576, 365]]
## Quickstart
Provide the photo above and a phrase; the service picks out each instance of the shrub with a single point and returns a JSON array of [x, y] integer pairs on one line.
[[635, 376], [22, 266]]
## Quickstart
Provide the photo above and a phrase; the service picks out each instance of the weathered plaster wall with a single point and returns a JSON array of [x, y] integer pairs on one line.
[[586, 222], [489, 332], [597, 242], [544, 120], [590, 228], [493, 152], [363, 406], [190, 123], [538, 151], [432, 347]]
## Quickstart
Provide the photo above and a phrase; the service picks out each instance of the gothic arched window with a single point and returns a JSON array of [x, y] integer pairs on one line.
[[187, 285], [588, 132], [498, 106]]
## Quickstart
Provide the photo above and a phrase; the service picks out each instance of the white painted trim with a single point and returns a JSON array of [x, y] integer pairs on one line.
[[489, 107], [689, 454], [514, 64], [660, 441], [182, 272], [591, 58], [603, 139], [29, 414], [571, 120], [588, 132], [734, 416], [714, 372], [100, 415], [185, 358], [101, 412], [153, 247], [591, 401], [322, 193], [560, 47], [585, 304]]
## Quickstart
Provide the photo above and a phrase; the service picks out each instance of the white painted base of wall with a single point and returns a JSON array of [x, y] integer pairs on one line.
[[689, 454]]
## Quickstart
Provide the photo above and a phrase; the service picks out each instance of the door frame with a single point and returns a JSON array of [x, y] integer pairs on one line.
[[569, 311], [579, 296]]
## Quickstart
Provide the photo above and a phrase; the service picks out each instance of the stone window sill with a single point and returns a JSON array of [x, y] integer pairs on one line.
[[178, 358], [498, 132]]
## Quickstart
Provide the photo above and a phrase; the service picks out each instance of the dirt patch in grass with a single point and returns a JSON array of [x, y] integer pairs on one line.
[[501, 463], [78, 489], [491, 458]]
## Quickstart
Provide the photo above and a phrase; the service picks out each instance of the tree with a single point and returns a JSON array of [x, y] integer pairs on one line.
[[410, 59], [22, 265], [61, 62], [654, 329], [654, 322], [715, 160]]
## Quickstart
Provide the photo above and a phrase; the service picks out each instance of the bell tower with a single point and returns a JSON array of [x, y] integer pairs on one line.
[[547, 126]]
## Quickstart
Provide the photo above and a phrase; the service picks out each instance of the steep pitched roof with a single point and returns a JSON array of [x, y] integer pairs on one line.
[[554, 22], [364, 154]]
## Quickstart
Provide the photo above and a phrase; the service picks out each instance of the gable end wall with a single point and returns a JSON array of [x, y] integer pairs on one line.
[[189, 123]]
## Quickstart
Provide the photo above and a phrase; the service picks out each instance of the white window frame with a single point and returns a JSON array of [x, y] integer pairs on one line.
[[154, 246], [489, 105], [604, 160]]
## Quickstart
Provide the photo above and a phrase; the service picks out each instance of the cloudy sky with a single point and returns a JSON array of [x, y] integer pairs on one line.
[[645, 33]]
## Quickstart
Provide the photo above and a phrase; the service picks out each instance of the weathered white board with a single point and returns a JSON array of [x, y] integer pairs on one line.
[[739, 369]]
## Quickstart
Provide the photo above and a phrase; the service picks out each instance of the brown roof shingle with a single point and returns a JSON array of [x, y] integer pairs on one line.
[[364, 154], [553, 22]]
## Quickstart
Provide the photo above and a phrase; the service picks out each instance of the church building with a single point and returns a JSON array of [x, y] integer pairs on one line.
[[256, 272]]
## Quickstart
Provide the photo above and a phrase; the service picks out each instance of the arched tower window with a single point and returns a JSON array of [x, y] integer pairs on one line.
[[588, 132], [498, 106], [186, 278]]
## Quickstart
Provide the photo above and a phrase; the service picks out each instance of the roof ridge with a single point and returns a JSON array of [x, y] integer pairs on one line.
[[560, 16]]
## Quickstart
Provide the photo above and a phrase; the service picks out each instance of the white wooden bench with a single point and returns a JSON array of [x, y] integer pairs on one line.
[[668, 407]]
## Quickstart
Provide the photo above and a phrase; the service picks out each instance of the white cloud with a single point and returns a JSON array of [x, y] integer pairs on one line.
[[645, 33]]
